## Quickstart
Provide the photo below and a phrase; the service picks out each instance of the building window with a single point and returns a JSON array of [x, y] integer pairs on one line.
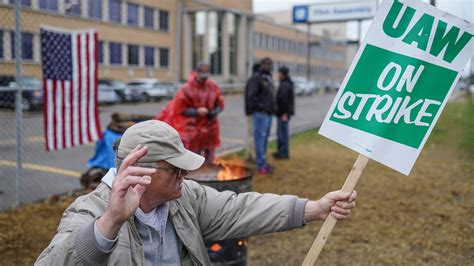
[[215, 42], [149, 56], [132, 14], [164, 57], [73, 7], [115, 11], [164, 18], [101, 52], [22, 2], [133, 55], [95, 9], [198, 27], [115, 51], [1, 44], [232, 30], [256, 40], [26, 45], [50, 5], [149, 17]]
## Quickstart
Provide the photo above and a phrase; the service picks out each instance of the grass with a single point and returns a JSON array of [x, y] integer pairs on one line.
[[456, 127], [423, 219]]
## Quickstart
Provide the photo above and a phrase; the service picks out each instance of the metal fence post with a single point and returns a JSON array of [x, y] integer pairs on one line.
[[18, 105]]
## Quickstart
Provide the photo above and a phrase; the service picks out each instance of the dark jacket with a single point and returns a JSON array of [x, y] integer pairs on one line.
[[285, 98], [259, 95]]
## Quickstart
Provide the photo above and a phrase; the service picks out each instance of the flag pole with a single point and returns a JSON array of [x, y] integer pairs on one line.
[[330, 221]]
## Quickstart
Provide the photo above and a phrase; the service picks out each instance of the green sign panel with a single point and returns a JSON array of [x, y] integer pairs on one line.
[[393, 96], [399, 82]]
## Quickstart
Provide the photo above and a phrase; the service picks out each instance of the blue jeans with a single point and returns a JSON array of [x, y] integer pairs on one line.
[[261, 130], [283, 138]]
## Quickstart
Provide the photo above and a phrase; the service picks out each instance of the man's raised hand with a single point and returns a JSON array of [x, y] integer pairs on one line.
[[129, 185]]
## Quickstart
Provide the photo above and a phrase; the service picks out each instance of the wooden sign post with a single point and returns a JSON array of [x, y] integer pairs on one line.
[[395, 89], [330, 221]]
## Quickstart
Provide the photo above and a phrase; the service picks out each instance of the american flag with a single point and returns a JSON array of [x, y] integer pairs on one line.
[[69, 59]]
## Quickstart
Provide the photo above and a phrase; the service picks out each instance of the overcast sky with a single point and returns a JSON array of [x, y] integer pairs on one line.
[[460, 8]]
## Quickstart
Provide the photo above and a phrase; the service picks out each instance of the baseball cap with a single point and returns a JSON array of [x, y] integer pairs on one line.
[[202, 70], [284, 70], [163, 142]]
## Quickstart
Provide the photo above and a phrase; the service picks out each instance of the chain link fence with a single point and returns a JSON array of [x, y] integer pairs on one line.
[[142, 51], [28, 172]]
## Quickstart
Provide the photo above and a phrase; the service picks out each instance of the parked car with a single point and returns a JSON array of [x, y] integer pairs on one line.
[[120, 88], [171, 89], [147, 89], [303, 86], [311, 87], [32, 92], [319, 86], [331, 85], [338, 85], [107, 95]]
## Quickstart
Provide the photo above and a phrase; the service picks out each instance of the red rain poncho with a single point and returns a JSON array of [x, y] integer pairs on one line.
[[197, 132]]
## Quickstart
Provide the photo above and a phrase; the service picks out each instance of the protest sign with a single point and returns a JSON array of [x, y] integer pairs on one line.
[[394, 92], [399, 82]]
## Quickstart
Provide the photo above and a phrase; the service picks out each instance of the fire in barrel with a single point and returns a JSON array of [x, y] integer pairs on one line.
[[233, 175]]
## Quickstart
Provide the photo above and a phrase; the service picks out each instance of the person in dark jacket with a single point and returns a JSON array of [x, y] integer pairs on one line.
[[285, 109], [249, 142], [260, 102], [247, 101]]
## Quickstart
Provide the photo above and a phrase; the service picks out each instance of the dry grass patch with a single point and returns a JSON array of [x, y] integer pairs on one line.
[[424, 219]]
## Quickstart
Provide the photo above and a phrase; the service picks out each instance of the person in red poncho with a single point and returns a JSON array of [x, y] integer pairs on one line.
[[193, 113]]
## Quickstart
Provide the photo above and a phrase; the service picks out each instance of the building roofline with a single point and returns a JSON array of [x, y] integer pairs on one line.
[[266, 19], [246, 13]]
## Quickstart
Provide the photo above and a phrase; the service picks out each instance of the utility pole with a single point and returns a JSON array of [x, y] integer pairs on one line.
[[308, 52]]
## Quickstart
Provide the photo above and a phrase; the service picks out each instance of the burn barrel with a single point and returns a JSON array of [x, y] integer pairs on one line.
[[229, 251]]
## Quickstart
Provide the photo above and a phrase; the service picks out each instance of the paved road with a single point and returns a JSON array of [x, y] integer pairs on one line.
[[49, 173]]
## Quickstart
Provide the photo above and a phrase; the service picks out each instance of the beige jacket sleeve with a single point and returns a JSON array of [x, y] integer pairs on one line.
[[226, 215], [74, 242]]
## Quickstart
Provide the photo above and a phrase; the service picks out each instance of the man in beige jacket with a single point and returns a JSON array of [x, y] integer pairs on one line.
[[145, 213]]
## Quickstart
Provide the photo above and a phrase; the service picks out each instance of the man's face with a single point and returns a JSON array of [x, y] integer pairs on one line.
[[202, 73], [267, 66], [201, 79], [281, 76], [166, 184]]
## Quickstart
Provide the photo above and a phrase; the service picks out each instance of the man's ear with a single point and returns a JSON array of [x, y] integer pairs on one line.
[[116, 145]]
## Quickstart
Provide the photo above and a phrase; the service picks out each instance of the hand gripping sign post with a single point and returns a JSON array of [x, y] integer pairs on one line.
[[395, 90]]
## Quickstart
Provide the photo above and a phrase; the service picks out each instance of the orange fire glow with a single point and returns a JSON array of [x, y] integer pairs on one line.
[[231, 168], [215, 247]]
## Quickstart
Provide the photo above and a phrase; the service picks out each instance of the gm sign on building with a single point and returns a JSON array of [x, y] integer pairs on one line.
[[329, 12]]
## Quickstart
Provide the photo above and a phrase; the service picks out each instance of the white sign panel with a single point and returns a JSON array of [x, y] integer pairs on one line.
[[399, 82], [327, 12]]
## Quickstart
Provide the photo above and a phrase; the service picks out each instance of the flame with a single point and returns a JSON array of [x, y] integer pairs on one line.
[[232, 168], [216, 247]]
